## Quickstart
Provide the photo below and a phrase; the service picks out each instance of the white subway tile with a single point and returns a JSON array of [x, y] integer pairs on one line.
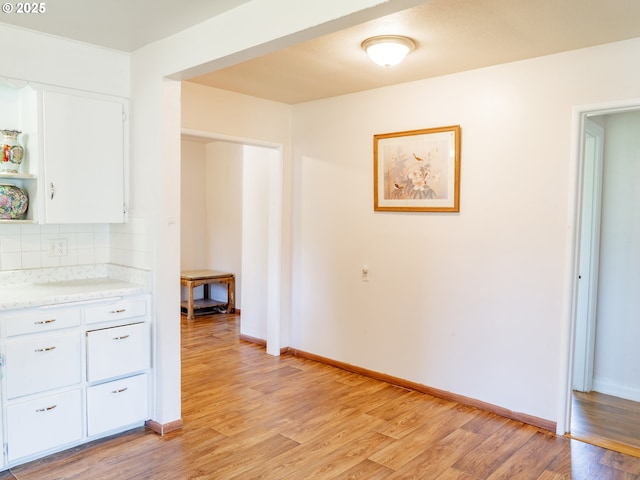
[[31, 259], [31, 243], [11, 261], [86, 256], [10, 243], [8, 229]]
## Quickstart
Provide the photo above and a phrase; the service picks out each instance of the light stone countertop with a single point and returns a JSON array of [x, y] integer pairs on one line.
[[39, 294], [36, 288]]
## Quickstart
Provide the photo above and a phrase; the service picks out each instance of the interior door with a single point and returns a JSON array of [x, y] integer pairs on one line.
[[593, 149]]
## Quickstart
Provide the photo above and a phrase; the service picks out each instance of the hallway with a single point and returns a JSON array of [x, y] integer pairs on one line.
[[607, 421]]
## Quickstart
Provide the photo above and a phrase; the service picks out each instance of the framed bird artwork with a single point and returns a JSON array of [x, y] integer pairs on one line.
[[417, 170]]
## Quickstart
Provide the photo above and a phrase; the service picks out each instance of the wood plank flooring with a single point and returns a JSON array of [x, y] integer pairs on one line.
[[607, 421], [248, 415]]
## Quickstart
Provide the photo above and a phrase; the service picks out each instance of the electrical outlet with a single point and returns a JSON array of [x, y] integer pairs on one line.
[[58, 247], [365, 273]]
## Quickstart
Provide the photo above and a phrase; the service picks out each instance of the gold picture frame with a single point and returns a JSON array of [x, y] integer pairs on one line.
[[417, 170]]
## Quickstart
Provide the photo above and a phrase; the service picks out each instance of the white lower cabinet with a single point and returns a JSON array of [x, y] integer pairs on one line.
[[117, 351], [71, 374], [43, 423], [38, 363], [114, 404]]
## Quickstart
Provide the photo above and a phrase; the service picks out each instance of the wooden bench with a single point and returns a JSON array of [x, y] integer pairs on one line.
[[194, 278]]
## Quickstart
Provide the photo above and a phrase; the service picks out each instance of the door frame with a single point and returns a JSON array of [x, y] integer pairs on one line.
[[275, 226], [579, 115], [588, 256]]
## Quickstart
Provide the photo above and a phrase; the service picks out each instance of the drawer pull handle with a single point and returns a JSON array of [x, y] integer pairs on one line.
[[120, 390], [121, 338], [44, 322], [46, 409], [120, 310], [44, 349]]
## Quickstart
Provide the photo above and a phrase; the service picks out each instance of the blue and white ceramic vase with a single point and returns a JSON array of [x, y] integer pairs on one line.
[[11, 152]]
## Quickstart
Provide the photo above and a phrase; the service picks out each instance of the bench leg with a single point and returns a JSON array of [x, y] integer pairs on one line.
[[190, 315], [231, 295]]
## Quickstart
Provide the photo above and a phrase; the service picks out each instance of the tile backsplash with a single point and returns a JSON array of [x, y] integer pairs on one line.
[[26, 246]]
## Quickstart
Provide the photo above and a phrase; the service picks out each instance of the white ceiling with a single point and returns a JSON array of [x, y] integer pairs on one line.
[[119, 24], [452, 36]]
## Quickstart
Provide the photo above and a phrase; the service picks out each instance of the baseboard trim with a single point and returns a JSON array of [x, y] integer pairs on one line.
[[164, 428], [418, 387], [472, 402], [261, 342], [250, 339], [616, 390]]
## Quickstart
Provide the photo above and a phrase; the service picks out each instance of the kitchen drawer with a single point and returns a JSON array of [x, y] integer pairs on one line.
[[44, 423], [118, 351], [42, 362], [40, 320], [117, 404], [117, 310]]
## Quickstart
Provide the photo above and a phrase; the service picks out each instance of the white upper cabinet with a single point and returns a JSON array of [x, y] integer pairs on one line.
[[75, 168], [84, 153]]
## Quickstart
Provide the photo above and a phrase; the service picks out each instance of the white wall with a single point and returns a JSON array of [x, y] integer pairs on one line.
[[234, 115], [55, 61], [193, 220], [223, 220], [475, 302], [258, 165], [617, 356]]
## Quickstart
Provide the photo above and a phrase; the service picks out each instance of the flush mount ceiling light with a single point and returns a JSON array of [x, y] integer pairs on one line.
[[388, 50]]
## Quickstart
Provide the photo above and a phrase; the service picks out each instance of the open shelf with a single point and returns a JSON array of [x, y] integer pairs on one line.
[[19, 176]]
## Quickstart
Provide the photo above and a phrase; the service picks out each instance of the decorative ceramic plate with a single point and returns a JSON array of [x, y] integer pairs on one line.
[[13, 202]]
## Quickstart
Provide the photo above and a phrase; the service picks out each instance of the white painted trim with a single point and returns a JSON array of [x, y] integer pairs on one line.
[[575, 201], [214, 137], [568, 331]]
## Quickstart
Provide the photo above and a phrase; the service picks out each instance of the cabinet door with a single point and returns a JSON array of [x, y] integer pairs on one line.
[[118, 351], [84, 158], [44, 423], [42, 362], [117, 404]]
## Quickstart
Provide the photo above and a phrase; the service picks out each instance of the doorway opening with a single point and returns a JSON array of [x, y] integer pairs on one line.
[[231, 220], [604, 385]]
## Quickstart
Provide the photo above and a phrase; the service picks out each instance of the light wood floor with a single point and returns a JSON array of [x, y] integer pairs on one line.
[[248, 415], [607, 421]]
